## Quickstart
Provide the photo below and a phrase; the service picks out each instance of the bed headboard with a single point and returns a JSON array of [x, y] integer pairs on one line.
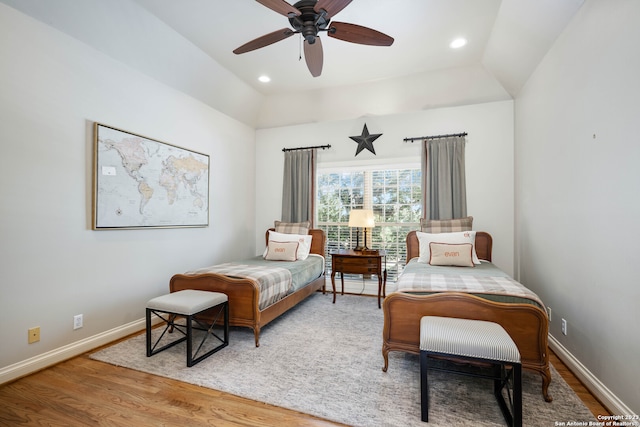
[[318, 240], [484, 245]]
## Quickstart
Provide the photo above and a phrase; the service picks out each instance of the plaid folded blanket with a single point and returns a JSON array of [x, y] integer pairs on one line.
[[496, 285], [274, 283]]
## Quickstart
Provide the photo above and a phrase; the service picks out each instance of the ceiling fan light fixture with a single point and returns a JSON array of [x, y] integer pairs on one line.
[[458, 43]]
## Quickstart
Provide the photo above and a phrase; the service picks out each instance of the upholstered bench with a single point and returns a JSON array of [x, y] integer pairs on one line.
[[473, 341], [189, 304]]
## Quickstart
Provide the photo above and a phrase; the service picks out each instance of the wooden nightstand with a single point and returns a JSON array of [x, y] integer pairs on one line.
[[359, 262]]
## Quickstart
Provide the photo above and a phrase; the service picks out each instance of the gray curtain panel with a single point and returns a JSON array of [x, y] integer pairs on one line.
[[298, 189], [444, 193]]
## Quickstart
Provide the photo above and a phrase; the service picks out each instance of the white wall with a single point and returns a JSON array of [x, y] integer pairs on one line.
[[577, 192], [415, 92], [52, 265], [489, 160]]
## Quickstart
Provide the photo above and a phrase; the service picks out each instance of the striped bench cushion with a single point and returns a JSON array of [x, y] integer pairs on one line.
[[467, 338]]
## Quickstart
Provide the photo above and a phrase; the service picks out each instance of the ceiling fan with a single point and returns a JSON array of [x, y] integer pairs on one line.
[[309, 18]]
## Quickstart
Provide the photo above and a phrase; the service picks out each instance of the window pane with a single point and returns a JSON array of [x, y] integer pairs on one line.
[[395, 197]]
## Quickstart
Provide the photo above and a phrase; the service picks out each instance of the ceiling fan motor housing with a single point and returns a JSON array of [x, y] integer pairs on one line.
[[309, 23]]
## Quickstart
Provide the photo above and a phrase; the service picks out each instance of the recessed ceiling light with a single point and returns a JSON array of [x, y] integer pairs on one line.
[[458, 43], [264, 79]]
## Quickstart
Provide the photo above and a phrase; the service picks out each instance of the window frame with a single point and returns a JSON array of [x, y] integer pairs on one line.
[[345, 237]]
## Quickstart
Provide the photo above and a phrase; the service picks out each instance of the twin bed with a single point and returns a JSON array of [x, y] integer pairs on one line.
[[483, 293], [253, 302]]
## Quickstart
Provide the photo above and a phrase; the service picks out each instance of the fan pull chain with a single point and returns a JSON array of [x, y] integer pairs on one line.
[[300, 48]]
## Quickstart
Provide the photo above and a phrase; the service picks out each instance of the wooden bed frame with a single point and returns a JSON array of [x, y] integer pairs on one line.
[[244, 296], [527, 325]]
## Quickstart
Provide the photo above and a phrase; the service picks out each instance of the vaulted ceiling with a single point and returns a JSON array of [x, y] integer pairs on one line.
[[506, 41]]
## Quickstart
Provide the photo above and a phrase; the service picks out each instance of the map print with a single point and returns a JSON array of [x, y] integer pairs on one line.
[[141, 183]]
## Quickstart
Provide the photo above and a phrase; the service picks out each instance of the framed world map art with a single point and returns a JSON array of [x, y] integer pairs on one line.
[[143, 183]]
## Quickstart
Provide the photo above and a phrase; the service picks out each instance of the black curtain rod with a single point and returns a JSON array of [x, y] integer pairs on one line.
[[434, 136], [306, 148]]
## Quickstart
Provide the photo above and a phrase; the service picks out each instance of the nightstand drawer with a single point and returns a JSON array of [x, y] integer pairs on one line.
[[357, 269], [356, 265], [348, 262]]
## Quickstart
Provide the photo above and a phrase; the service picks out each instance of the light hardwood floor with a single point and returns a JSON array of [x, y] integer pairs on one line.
[[82, 391], [585, 395]]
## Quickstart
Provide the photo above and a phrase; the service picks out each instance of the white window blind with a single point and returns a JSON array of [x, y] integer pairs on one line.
[[393, 194]]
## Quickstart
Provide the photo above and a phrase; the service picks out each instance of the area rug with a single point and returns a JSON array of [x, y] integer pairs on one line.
[[325, 359]]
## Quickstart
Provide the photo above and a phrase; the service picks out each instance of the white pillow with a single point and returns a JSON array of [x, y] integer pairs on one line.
[[424, 239], [304, 242]]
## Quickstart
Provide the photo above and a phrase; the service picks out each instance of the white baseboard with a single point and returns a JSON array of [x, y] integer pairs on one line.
[[590, 381], [50, 358]]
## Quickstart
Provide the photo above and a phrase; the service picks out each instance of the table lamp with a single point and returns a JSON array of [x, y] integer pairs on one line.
[[361, 218]]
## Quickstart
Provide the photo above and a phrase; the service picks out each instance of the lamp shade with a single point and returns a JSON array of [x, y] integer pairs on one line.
[[361, 218]]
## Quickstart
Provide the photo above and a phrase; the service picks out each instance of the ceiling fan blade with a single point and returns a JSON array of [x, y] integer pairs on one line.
[[314, 56], [358, 34], [265, 40], [281, 7], [332, 7]]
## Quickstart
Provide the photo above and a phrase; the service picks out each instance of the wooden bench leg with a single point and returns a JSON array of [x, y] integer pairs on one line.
[[517, 395], [424, 387], [513, 415]]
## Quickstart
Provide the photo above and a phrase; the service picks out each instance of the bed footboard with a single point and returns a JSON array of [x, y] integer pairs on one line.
[[526, 324], [243, 296]]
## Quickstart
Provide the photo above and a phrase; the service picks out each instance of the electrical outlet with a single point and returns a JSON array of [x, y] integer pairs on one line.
[[77, 321], [34, 334], [549, 313], [563, 327]]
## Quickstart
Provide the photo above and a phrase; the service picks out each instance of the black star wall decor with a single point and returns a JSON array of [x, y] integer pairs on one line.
[[365, 140]]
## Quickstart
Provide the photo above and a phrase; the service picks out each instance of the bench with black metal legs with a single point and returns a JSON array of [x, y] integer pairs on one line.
[[189, 304], [477, 342]]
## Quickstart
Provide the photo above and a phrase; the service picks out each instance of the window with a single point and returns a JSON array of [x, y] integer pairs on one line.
[[394, 195]]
